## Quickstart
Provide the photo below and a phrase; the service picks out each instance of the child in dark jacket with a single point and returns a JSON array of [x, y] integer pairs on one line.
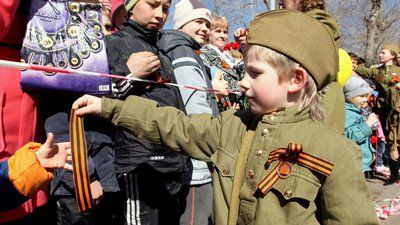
[[149, 175], [182, 45]]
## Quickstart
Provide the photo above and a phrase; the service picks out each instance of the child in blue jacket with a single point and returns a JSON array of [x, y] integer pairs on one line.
[[359, 127]]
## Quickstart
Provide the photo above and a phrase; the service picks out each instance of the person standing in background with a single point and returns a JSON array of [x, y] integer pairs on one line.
[[214, 56], [191, 27]]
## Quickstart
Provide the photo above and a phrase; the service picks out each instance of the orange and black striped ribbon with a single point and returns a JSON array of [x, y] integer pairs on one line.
[[286, 158], [79, 162]]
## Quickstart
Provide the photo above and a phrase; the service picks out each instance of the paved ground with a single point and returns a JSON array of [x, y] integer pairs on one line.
[[380, 192]]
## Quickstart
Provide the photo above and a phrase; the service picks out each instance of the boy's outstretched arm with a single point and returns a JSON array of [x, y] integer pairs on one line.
[[196, 135]]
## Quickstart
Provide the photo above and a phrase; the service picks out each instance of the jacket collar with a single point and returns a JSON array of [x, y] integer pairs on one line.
[[352, 107], [287, 115], [171, 39], [150, 36]]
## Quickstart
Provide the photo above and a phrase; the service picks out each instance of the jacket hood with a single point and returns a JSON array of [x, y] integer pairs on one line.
[[170, 39]]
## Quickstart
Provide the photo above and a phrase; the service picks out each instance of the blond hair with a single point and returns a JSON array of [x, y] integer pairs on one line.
[[285, 68], [219, 22], [308, 5]]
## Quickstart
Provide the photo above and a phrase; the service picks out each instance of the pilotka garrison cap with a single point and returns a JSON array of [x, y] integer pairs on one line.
[[300, 37], [392, 47]]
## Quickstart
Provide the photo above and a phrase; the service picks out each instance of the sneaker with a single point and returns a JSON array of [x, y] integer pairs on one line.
[[368, 175]]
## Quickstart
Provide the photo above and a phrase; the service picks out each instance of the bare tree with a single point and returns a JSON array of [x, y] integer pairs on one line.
[[238, 12], [366, 25]]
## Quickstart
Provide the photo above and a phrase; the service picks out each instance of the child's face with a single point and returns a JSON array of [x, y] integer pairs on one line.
[[385, 56], [261, 84], [198, 29], [151, 14], [360, 101], [218, 37], [354, 63]]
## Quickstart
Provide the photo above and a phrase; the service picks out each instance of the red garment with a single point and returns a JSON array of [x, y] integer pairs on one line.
[[18, 111]]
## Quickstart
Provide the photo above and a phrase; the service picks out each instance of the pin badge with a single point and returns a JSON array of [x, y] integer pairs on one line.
[[284, 170]]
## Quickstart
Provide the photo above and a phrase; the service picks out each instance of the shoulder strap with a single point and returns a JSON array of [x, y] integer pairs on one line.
[[239, 172]]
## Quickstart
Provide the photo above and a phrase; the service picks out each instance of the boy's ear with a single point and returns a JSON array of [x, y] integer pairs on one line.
[[299, 80]]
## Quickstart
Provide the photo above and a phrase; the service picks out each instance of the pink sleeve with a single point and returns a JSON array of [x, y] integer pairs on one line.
[[7, 12], [380, 134]]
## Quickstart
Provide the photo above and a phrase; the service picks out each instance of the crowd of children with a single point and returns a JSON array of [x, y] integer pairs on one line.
[[242, 150]]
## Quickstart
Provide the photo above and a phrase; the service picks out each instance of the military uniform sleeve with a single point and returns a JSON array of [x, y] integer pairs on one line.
[[365, 72], [345, 197], [196, 135], [21, 176]]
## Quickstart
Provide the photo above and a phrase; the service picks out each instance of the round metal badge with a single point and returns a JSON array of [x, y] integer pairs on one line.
[[284, 170]]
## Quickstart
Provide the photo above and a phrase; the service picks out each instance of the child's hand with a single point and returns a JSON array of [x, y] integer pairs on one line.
[[142, 64], [97, 191], [87, 105], [240, 36], [372, 120], [220, 84], [53, 156]]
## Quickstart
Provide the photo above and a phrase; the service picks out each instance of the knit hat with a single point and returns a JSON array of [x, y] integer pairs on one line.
[[392, 47], [116, 7], [356, 86], [129, 4], [188, 10], [300, 37]]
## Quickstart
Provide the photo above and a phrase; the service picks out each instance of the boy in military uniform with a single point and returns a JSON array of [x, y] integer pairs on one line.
[[283, 166]]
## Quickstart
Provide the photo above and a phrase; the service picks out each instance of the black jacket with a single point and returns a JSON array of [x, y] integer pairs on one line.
[[130, 151]]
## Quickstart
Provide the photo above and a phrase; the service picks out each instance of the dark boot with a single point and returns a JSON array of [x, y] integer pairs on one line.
[[394, 172], [368, 175]]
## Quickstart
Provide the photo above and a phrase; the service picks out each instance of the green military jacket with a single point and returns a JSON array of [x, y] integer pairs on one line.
[[334, 107], [381, 75], [393, 121], [303, 198], [333, 99]]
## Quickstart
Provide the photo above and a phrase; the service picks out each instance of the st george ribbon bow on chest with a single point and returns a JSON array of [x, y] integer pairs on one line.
[[286, 157]]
